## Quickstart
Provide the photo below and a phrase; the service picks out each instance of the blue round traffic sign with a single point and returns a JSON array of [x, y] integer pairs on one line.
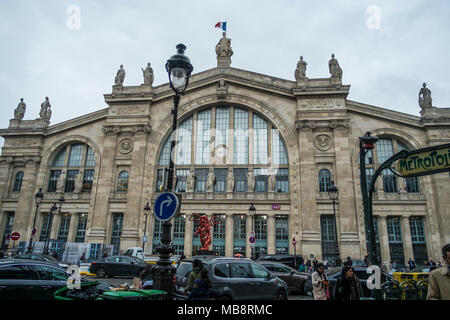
[[252, 239], [166, 205]]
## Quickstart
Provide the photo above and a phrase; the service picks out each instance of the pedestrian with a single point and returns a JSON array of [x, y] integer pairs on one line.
[[320, 283], [439, 281], [325, 264], [181, 259], [347, 285], [411, 264], [83, 257], [315, 262], [196, 268], [308, 266], [431, 263], [366, 261], [105, 255], [348, 262], [202, 288], [147, 277], [301, 268]]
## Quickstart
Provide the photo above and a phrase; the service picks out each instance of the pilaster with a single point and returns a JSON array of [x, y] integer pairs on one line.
[[229, 225]]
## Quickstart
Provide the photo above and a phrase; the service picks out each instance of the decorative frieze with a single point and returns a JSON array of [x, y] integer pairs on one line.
[[116, 129]]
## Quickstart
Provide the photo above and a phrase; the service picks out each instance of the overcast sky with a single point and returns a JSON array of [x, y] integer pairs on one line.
[[386, 49]]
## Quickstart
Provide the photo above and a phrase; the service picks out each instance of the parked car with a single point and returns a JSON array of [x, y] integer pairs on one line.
[[361, 274], [27, 279], [293, 261], [234, 278], [41, 257], [294, 279], [118, 266]]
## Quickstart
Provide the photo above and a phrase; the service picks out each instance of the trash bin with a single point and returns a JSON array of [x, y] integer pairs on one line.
[[88, 291], [134, 295]]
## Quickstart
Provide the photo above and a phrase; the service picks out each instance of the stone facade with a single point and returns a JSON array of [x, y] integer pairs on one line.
[[320, 129]]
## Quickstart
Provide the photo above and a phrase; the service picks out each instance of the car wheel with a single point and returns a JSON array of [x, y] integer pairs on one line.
[[281, 296], [101, 273]]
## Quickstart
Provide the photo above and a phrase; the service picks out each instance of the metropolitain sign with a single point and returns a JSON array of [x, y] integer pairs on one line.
[[425, 161]]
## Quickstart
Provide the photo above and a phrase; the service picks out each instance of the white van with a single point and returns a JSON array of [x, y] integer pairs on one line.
[[149, 258]]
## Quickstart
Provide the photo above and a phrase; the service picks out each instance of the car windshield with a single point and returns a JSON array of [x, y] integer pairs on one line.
[[139, 260], [184, 269]]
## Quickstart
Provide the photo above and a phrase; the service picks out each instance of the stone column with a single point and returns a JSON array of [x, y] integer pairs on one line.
[[346, 211], [407, 240], [188, 235], [271, 234], [384, 240], [134, 217], [73, 227], [229, 236], [310, 219], [248, 228]]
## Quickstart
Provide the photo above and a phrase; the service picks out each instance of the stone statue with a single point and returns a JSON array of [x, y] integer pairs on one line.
[[271, 181], [61, 182], [223, 47], [120, 77], [78, 182], [210, 181], [190, 181], [46, 111], [148, 75], [300, 72], [250, 181], [19, 112], [230, 180], [335, 69], [425, 100]]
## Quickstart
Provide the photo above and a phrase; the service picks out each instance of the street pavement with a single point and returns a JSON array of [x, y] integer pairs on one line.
[[117, 281]]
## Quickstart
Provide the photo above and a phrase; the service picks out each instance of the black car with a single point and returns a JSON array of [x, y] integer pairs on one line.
[[124, 266], [233, 279], [24, 279], [294, 279], [293, 261], [41, 257], [360, 272]]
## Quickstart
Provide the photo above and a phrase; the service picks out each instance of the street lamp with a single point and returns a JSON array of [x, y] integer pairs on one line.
[[38, 199], [49, 227], [179, 69], [146, 213], [251, 212], [333, 193]]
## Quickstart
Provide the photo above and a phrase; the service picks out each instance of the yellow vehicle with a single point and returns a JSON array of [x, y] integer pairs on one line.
[[416, 276]]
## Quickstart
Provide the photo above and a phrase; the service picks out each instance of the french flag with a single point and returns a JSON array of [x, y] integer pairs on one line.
[[222, 25]]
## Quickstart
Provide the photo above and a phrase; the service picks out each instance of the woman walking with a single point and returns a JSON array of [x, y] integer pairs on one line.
[[347, 285], [320, 283]]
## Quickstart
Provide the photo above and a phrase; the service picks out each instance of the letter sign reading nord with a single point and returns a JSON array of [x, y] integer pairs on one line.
[[166, 205], [425, 161]]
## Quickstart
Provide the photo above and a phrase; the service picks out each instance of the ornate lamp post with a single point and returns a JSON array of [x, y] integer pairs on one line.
[[54, 208], [146, 213], [251, 212], [333, 193], [38, 199], [179, 69]]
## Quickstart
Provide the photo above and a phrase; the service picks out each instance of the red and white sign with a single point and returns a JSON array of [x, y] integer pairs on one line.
[[15, 236], [293, 241], [276, 207]]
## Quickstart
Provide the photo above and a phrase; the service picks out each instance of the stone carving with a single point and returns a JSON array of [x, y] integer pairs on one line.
[[19, 112], [21, 143], [78, 182], [223, 47], [230, 180], [250, 181], [61, 182], [126, 146], [425, 97], [300, 72], [127, 109], [46, 111], [120, 77], [323, 142], [148, 74], [211, 180], [221, 89], [190, 181], [340, 123], [335, 69], [305, 124], [271, 181]]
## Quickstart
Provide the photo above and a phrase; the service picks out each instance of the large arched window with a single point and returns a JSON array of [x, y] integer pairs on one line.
[[324, 180], [72, 159], [225, 137], [18, 181], [122, 182]]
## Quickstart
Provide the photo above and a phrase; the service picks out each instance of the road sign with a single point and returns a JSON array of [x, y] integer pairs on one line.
[[166, 205], [144, 239], [252, 239], [33, 232], [15, 236], [293, 241], [252, 234]]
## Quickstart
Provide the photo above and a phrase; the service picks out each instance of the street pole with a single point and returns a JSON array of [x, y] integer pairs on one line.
[[335, 232], [49, 228], [146, 213], [38, 198]]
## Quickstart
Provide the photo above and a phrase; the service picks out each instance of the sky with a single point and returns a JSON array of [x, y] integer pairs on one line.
[[70, 50]]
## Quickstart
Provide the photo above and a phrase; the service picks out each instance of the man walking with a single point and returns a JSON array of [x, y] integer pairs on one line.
[[439, 282], [411, 264]]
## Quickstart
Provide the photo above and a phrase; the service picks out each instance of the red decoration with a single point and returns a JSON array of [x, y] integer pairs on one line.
[[204, 228]]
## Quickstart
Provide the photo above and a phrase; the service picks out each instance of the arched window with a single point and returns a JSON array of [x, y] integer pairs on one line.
[[122, 183], [18, 181], [224, 136], [324, 180], [72, 159]]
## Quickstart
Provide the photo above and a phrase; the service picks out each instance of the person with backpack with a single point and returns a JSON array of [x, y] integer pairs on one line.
[[347, 286], [202, 288], [320, 283], [196, 268]]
